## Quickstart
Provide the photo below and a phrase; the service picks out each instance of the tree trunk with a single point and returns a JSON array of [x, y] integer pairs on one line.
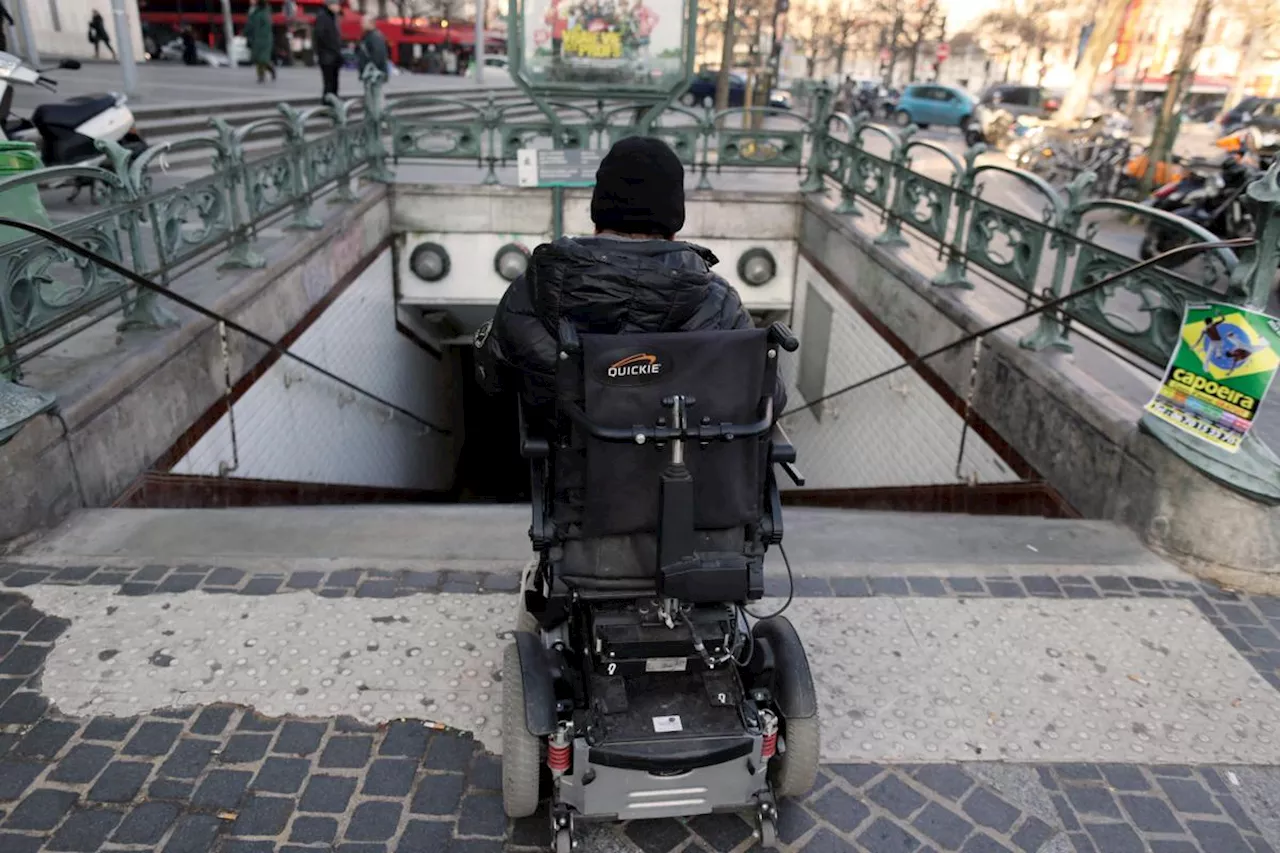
[[912, 62], [1106, 26], [726, 55], [1249, 51], [1166, 128]]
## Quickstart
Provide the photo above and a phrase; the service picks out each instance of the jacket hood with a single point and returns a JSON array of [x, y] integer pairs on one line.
[[616, 285]]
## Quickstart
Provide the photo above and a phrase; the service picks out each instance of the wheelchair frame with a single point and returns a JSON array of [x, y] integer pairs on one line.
[[743, 731]]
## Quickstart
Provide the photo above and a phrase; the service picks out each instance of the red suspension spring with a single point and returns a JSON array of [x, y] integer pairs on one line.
[[769, 746], [558, 758]]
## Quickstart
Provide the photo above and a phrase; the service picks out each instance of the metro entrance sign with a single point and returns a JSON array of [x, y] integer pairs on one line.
[[615, 46], [944, 51]]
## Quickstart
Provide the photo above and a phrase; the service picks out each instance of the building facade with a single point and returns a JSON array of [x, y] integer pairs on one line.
[[61, 27]]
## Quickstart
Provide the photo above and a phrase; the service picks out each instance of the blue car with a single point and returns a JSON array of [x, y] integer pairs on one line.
[[923, 104]]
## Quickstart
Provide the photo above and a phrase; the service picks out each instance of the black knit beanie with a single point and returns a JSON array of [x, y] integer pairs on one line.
[[639, 189]]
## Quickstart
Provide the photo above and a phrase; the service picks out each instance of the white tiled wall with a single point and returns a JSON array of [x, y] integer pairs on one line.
[[895, 431], [295, 425]]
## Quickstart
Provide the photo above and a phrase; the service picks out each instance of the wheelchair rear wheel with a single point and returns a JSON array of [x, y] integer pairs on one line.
[[521, 751], [795, 770]]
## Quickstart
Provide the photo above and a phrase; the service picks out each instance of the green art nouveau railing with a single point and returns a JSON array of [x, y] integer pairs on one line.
[[984, 220], [159, 231]]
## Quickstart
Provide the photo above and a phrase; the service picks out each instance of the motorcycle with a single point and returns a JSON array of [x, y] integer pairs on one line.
[[66, 132], [1213, 198]]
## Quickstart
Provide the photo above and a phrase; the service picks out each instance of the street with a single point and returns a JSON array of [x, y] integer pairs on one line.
[[171, 84]]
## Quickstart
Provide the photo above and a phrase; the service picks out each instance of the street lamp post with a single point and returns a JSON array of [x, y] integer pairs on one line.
[[28, 37], [478, 58], [124, 38], [230, 29]]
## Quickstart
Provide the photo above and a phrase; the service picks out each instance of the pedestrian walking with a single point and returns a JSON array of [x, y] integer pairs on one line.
[[98, 34], [328, 45], [372, 49], [6, 20], [261, 40], [189, 55]]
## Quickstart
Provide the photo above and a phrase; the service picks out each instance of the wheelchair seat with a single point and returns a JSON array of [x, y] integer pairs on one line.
[[635, 670]]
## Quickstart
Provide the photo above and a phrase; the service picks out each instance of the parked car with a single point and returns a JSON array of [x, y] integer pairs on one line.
[[205, 55], [1251, 110], [702, 92], [923, 104]]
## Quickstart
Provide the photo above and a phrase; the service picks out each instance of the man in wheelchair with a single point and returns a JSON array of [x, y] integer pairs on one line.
[[637, 686]]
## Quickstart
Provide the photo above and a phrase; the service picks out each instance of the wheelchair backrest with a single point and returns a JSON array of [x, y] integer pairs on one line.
[[622, 381]]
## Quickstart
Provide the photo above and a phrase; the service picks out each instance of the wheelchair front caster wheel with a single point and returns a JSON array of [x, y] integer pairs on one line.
[[564, 841], [768, 834]]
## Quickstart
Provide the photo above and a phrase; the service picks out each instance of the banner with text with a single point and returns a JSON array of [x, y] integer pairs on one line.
[[617, 42], [1221, 369]]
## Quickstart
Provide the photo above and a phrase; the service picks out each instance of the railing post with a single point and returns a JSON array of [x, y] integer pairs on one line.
[[373, 117], [346, 160], [848, 198], [491, 121], [145, 312], [815, 181], [300, 171], [240, 252], [892, 234], [1253, 280], [1051, 329], [954, 273]]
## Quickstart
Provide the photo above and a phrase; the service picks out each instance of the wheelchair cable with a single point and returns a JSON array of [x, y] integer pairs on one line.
[[791, 591]]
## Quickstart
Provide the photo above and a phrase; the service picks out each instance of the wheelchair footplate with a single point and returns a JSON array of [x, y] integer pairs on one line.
[[668, 731]]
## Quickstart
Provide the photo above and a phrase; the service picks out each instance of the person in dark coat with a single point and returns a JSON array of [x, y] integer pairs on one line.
[[98, 35], [631, 276], [189, 55], [328, 45], [5, 18], [372, 49], [258, 34]]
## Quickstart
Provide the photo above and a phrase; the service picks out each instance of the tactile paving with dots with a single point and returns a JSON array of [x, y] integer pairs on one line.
[[898, 679], [433, 656], [1032, 680]]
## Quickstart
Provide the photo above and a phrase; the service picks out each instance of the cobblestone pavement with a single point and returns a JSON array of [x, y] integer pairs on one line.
[[222, 777]]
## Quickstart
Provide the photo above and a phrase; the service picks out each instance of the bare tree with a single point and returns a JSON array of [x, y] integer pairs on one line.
[[1261, 20], [711, 20], [1184, 71], [907, 26], [730, 40], [1106, 26]]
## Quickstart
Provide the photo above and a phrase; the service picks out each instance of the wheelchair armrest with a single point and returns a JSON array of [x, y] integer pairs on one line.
[[569, 340], [531, 447], [781, 335], [780, 447], [783, 453]]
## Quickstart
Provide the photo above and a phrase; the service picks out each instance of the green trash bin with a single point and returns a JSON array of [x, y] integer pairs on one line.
[[20, 202]]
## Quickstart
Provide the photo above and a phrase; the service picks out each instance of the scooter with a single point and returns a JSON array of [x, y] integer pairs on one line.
[[67, 132], [1211, 198]]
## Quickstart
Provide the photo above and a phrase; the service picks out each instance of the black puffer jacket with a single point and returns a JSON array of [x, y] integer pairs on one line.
[[604, 285], [326, 38]]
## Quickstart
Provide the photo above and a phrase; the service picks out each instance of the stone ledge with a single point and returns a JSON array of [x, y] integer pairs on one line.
[[126, 398], [1081, 437]]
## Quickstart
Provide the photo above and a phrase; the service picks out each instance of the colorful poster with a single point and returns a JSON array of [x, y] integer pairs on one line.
[[615, 42], [1221, 369]]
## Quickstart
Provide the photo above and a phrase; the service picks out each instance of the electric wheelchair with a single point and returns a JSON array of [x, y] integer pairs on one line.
[[636, 686]]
